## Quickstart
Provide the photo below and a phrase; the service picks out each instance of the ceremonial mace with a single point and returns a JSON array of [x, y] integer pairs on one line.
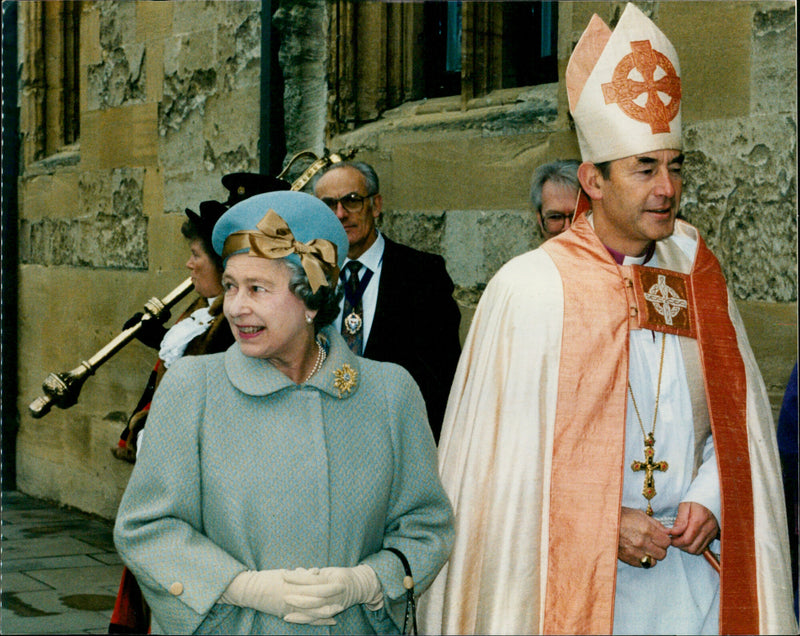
[[62, 389]]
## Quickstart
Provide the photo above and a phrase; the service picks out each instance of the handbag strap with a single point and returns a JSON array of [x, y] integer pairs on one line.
[[410, 619]]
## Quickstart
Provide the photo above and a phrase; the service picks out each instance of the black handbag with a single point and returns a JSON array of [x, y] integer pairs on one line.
[[410, 619]]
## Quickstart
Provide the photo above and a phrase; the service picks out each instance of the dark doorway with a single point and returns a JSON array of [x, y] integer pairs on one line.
[[8, 258]]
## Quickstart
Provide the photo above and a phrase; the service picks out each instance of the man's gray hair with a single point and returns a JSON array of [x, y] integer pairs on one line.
[[563, 172], [370, 176]]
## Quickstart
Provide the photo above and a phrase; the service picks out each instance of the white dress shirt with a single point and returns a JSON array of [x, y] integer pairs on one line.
[[373, 260]]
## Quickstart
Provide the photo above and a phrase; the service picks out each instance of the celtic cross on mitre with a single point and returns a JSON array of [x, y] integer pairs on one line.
[[624, 89], [648, 466]]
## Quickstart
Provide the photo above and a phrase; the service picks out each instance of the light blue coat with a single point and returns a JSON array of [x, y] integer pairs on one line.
[[241, 469]]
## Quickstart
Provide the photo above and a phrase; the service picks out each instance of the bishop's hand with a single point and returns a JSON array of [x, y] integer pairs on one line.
[[694, 529], [641, 536]]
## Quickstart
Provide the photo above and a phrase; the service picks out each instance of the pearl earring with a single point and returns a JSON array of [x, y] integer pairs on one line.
[[309, 319]]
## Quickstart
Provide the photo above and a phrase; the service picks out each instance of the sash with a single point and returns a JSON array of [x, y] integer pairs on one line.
[[585, 497]]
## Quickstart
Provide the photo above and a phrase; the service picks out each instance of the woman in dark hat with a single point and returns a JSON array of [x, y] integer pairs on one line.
[[285, 485], [200, 329]]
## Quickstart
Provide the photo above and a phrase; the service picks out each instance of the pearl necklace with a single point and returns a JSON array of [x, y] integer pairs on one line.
[[321, 355]]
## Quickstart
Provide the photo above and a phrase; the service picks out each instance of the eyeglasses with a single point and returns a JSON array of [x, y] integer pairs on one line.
[[352, 202], [555, 222]]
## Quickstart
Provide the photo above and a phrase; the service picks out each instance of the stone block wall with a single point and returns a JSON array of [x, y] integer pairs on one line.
[[100, 225], [740, 178], [169, 103], [455, 181], [303, 58], [741, 192]]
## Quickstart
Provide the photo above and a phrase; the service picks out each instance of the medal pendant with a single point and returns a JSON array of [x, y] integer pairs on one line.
[[352, 323]]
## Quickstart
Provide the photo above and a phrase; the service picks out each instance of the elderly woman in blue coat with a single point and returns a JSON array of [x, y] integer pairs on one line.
[[283, 482]]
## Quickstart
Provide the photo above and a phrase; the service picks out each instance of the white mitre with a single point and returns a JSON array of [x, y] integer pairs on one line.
[[624, 89]]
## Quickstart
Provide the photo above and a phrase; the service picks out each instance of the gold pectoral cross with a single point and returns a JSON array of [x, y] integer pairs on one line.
[[648, 466]]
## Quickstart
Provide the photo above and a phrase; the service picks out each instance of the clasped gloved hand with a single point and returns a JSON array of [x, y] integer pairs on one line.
[[151, 333], [267, 591], [322, 595]]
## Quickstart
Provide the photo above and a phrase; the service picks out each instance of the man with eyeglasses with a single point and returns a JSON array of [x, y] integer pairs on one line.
[[554, 193], [398, 302]]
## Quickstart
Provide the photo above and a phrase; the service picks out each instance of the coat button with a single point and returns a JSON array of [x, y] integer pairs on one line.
[[634, 311], [176, 589]]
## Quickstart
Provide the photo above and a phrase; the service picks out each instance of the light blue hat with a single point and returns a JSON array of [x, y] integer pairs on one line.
[[284, 224]]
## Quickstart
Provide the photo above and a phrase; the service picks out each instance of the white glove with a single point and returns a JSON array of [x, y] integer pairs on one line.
[[267, 591], [332, 591]]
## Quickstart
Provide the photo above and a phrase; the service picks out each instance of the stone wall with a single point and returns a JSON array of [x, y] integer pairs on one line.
[[740, 186], [455, 181], [170, 102], [303, 57]]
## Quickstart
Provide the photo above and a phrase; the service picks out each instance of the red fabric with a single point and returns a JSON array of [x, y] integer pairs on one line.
[[582, 206], [131, 614], [726, 393]]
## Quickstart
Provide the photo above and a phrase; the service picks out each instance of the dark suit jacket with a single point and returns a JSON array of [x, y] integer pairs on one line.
[[416, 324]]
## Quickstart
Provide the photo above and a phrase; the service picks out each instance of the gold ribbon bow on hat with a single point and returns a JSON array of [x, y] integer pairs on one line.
[[275, 240]]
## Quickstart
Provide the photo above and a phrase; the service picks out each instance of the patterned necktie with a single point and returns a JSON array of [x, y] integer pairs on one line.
[[353, 314]]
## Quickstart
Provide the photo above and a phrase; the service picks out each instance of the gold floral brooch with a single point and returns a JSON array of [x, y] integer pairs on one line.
[[346, 379]]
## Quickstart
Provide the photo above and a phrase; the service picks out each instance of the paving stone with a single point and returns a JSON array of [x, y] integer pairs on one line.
[[43, 547], [47, 563], [101, 540], [60, 571], [109, 558], [81, 579], [58, 601], [13, 532], [20, 582], [42, 516], [68, 622], [21, 501]]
